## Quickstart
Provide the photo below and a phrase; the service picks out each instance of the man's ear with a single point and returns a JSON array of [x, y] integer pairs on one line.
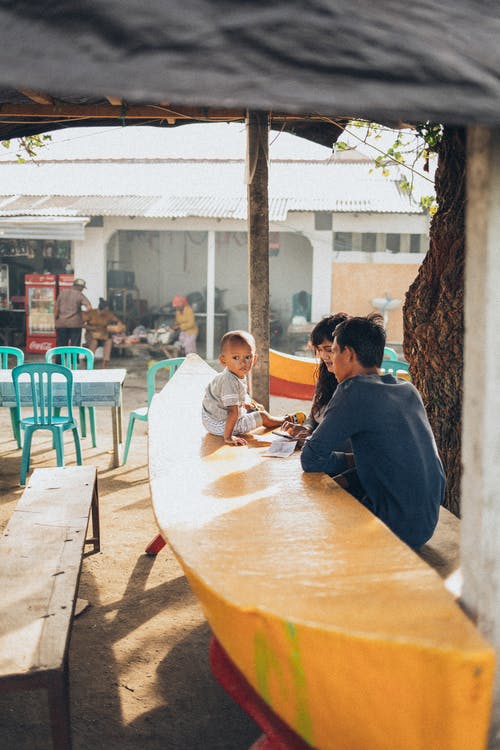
[[352, 353]]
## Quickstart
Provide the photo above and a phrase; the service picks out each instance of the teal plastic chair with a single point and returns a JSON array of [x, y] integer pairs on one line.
[[393, 366], [70, 357], [41, 377], [18, 357], [390, 353], [142, 412]]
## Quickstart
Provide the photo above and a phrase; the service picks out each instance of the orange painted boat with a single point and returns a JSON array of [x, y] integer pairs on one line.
[[290, 376], [349, 636]]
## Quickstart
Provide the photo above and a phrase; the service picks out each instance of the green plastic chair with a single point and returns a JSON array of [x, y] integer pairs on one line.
[[70, 356], [18, 356], [40, 383], [142, 412], [390, 353], [392, 366]]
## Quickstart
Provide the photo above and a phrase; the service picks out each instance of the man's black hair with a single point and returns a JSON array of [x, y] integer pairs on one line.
[[365, 336]]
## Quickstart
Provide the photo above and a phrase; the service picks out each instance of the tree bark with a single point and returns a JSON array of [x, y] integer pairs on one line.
[[433, 313]]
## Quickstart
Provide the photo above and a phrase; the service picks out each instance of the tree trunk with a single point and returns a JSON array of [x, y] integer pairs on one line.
[[433, 313]]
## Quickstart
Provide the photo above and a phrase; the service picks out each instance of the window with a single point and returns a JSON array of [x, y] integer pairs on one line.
[[415, 243], [393, 242], [342, 241], [368, 242], [323, 221]]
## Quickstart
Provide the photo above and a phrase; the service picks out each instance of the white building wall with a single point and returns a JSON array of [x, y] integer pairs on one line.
[[89, 262], [321, 275]]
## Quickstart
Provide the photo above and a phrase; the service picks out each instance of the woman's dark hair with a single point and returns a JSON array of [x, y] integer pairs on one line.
[[326, 382], [103, 303]]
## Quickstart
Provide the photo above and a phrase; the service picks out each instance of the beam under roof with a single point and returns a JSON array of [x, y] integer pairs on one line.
[[26, 112]]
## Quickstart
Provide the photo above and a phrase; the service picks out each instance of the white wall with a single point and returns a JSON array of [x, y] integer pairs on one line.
[[89, 262]]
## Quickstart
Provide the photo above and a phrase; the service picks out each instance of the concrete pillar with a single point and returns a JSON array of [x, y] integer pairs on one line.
[[321, 302], [89, 256], [480, 528]]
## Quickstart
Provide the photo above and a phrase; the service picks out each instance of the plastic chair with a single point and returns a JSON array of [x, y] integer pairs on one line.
[[390, 353], [393, 366], [18, 355], [70, 356], [41, 377], [142, 412]]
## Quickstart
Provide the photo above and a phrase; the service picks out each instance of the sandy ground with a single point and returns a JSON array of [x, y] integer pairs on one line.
[[139, 670]]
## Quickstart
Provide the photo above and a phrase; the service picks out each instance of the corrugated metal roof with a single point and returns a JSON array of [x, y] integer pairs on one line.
[[189, 187]]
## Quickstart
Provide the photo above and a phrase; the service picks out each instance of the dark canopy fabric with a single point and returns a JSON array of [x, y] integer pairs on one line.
[[385, 60]]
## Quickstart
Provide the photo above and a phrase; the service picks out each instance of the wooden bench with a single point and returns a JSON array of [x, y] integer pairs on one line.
[[346, 634], [41, 554]]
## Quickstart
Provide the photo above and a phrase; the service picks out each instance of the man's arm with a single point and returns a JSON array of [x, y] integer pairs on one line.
[[323, 450]]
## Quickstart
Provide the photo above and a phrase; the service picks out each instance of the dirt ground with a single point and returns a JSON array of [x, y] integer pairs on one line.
[[139, 669]]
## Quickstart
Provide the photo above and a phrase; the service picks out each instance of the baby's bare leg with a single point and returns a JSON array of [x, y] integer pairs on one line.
[[269, 421]]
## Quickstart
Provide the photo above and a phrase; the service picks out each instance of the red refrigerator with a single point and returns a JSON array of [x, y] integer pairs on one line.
[[41, 293]]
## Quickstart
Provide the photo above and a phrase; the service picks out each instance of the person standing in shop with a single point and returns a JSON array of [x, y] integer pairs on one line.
[[185, 323], [68, 314]]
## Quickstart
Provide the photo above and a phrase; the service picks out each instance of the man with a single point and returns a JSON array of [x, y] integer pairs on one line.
[[394, 468], [68, 312]]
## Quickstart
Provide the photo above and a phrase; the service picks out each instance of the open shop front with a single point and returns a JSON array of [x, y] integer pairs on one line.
[[26, 308], [35, 257], [147, 268]]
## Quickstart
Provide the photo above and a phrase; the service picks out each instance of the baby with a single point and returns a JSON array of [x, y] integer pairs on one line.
[[227, 408]]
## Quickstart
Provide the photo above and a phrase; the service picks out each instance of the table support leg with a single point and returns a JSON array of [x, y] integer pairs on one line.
[[116, 436]]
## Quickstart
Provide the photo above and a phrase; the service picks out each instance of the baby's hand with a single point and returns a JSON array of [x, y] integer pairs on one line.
[[235, 440]]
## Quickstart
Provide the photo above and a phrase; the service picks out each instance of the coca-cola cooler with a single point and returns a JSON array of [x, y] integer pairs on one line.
[[41, 291]]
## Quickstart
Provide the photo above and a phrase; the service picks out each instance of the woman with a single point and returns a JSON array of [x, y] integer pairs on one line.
[[326, 382], [98, 333], [185, 323]]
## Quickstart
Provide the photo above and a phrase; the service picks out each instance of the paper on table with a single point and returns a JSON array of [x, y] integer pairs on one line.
[[281, 448]]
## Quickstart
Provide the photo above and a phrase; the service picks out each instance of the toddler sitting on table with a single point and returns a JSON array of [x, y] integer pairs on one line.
[[227, 408]]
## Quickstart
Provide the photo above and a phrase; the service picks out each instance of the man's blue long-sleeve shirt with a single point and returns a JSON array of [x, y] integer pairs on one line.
[[394, 450]]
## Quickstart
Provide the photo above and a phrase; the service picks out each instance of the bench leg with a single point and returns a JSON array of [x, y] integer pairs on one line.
[[59, 710], [155, 545], [277, 734], [96, 529]]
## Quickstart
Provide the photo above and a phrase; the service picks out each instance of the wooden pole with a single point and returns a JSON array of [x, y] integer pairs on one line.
[[257, 124]]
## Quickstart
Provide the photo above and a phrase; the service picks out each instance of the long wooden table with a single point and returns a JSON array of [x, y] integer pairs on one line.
[[99, 388], [341, 628]]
